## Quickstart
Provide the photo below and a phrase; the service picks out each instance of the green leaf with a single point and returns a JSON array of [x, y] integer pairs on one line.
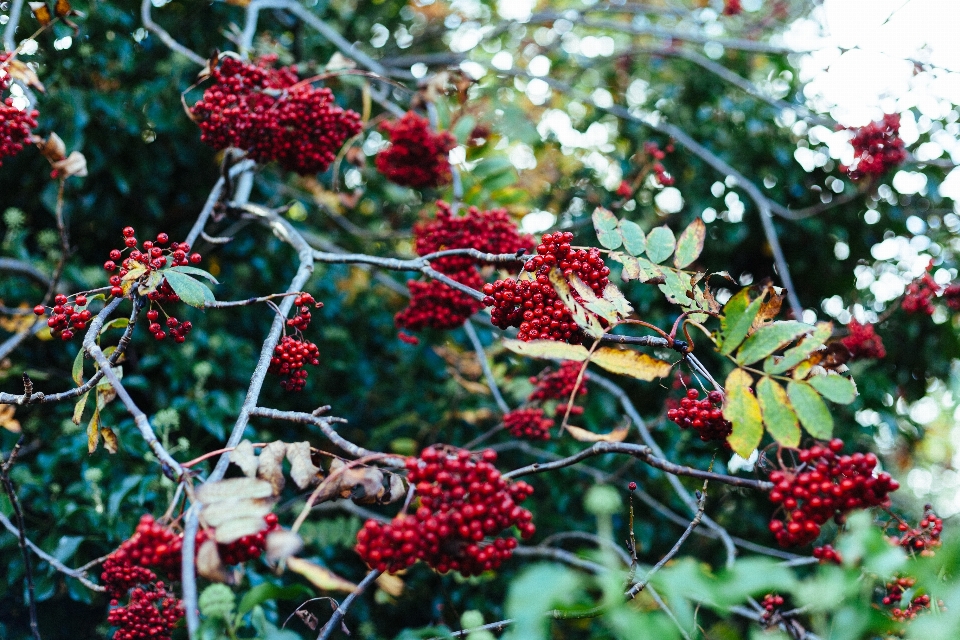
[[116, 323], [500, 181], [690, 244], [737, 323], [602, 308], [835, 388], [794, 356], [605, 224], [777, 414], [613, 295], [742, 409], [676, 285], [548, 349], [586, 320], [811, 409], [660, 244], [633, 239], [492, 166], [78, 368], [191, 292], [193, 271], [770, 338], [463, 128]]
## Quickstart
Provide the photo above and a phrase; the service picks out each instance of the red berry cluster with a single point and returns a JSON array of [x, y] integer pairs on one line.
[[417, 156], [770, 603], [301, 320], [925, 536], [436, 305], [558, 385], [267, 113], [462, 501], [15, 125], [653, 150], [151, 614], [533, 305], [732, 7], [877, 147], [704, 416], [151, 545], [951, 296], [920, 294], [863, 342], [178, 330], [827, 554], [894, 594], [153, 255], [826, 485], [528, 423], [289, 358], [66, 318]]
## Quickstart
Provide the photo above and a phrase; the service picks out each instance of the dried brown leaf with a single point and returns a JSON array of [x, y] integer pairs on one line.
[[302, 470], [62, 8], [321, 577], [271, 465], [209, 564], [281, 544], [93, 432], [233, 488], [617, 435], [7, 420], [222, 512], [363, 485], [73, 165], [110, 441], [41, 12], [52, 148], [23, 72], [244, 457]]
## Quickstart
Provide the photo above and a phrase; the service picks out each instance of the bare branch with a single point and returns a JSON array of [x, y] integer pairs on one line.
[[341, 611], [21, 537], [10, 265], [485, 365], [9, 34], [165, 37]]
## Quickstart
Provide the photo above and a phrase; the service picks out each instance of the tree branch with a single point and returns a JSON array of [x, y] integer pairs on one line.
[[485, 365], [165, 37]]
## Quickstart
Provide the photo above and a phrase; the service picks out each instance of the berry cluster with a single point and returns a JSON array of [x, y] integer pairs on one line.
[[653, 150], [417, 156], [826, 485], [528, 423], [827, 554], [770, 603], [66, 318], [151, 614], [178, 330], [863, 342], [920, 294], [951, 296], [246, 548], [462, 501], [436, 305], [15, 125], [533, 305], [877, 147], [266, 112], [289, 358], [924, 537], [558, 385], [301, 320], [894, 594], [152, 255], [704, 416]]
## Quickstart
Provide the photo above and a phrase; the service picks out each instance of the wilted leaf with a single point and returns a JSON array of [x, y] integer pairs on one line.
[[390, 584], [633, 239], [835, 388], [244, 457], [617, 435], [676, 286], [737, 320], [660, 244], [78, 408], [601, 307], [770, 309], [586, 320], [236, 528], [270, 464], [281, 544], [209, 564], [41, 12], [233, 488], [605, 224], [811, 410], [395, 489], [777, 414], [613, 295], [548, 349], [223, 511], [110, 442], [743, 411], [363, 485], [321, 577], [7, 420], [74, 164], [302, 470], [93, 432], [795, 355], [62, 8], [690, 244], [19, 70], [631, 363], [771, 338]]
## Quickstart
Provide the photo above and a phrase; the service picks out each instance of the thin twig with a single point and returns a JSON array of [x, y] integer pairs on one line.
[[485, 365], [21, 537], [165, 37], [341, 611]]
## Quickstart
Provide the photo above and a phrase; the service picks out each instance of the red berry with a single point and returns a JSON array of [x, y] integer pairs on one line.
[[39, 309]]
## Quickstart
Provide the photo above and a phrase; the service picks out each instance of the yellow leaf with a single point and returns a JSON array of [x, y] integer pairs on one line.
[[390, 584], [6, 418], [110, 441], [321, 577], [41, 12], [549, 349], [742, 409], [93, 431], [617, 435], [631, 363]]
